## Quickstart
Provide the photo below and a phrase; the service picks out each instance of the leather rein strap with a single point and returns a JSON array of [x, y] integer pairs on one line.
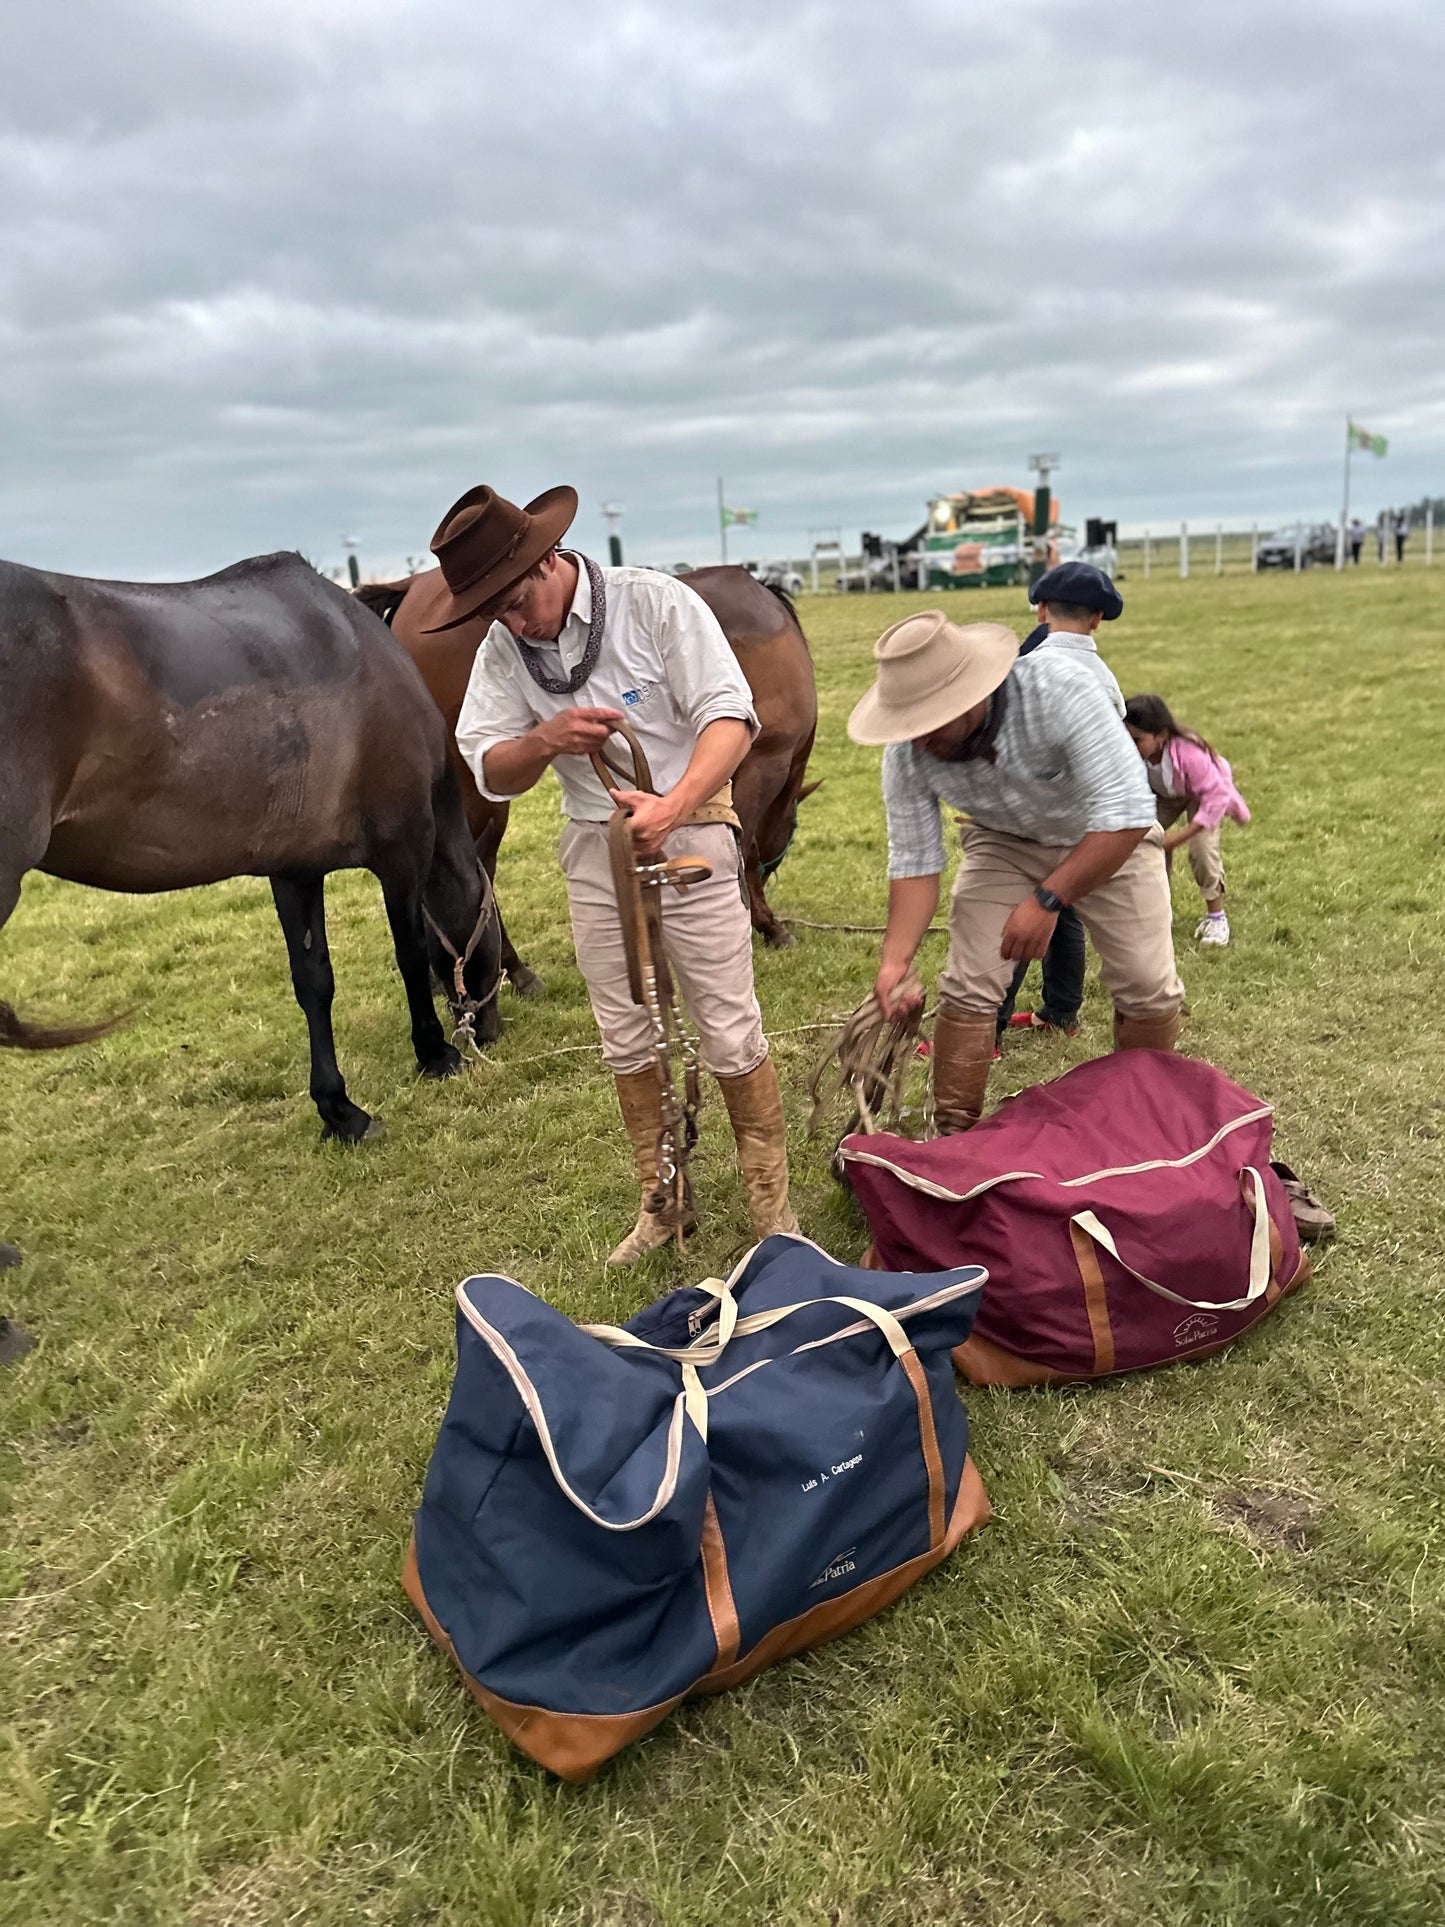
[[638, 884]]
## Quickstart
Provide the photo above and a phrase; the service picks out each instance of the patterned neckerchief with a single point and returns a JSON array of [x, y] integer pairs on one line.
[[532, 658]]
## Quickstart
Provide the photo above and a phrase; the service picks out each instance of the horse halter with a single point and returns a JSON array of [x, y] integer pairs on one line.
[[466, 1008], [638, 883]]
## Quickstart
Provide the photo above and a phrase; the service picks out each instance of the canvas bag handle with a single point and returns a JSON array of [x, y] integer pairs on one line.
[[1259, 1255], [709, 1350], [690, 1401]]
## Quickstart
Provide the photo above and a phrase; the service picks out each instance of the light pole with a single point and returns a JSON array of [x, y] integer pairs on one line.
[[1043, 466], [614, 513]]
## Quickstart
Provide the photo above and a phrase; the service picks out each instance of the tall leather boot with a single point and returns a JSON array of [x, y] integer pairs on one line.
[[1146, 1033], [755, 1106], [962, 1056], [639, 1095]]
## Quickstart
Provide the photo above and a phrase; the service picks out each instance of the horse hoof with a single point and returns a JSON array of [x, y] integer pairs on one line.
[[354, 1131], [526, 983], [15, 1341], [778, 938], [9, 1255], [446, 1065]]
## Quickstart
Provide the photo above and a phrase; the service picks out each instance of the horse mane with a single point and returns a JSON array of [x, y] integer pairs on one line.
[[383, 598], [776, 589]]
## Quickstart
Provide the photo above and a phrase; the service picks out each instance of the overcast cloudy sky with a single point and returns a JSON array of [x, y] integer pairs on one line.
[[275, 271]]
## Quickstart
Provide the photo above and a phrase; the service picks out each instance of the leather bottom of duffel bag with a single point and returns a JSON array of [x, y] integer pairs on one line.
[[619, 1517], [1127, 1214], [575, 1745]]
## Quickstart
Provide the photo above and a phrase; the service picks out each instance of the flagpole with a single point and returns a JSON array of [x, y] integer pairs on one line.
[[1345, 510], [722, 519]]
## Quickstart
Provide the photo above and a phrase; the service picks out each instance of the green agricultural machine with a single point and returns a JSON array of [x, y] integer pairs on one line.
[[983, 539]]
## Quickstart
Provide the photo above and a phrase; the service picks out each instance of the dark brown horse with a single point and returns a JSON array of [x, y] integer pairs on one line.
[[767, 639], [258, 723]]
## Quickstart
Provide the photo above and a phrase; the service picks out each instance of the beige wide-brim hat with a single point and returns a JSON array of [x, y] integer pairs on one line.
[[930, 670]]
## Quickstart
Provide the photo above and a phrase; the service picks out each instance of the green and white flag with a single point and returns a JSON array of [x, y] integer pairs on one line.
[[1362, 438], [744, 518]]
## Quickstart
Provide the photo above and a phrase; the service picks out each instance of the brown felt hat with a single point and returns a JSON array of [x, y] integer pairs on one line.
[[929, 671], [486, 543]]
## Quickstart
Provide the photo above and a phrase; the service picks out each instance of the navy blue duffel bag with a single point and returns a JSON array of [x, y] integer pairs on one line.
[[617, 1517]]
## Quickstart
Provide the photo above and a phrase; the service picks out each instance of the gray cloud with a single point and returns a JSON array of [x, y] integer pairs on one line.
[[272, 273]]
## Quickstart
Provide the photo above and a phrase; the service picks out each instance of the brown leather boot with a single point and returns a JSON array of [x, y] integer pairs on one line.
[[962, 1056], [639, 1095], [755, 1105], [1146, 1033]]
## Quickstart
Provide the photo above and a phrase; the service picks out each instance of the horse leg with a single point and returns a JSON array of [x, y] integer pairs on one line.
[[435, 1057], [761, 792], [523, 979], [301, 906]]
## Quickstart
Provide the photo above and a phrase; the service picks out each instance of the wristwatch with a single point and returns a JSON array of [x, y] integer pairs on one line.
[[1046, 900]]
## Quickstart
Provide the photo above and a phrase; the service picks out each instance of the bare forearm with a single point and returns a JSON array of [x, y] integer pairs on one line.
[[911, 904], [511, 767], [720, 748], [1092, 861]]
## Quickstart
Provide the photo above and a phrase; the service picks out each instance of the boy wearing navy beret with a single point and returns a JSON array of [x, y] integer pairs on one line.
[[1078, 597]]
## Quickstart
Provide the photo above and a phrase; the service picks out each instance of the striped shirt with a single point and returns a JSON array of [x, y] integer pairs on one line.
[[1064, 765]]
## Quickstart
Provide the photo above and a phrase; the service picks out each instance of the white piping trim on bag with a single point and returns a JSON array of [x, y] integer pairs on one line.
[[932, 1190], [689, 1400], [1258, 1256], [693, 1398]]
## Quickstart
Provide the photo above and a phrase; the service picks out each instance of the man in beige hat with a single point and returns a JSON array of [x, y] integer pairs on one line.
[[571, 650], [1033, 750]]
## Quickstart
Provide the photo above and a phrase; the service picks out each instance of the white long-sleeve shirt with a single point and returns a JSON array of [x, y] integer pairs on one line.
[[664, 662]]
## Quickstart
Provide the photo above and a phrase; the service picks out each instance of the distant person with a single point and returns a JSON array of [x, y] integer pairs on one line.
[[1402, 534], [1072, 599], [1191, 780], [1357, 539], [1382, 524]]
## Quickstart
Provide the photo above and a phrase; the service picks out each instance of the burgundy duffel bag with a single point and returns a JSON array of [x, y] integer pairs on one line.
[[1126, 1213]]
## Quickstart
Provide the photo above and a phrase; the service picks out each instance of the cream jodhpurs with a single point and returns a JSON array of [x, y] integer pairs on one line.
[[1202, 850], [1128, 918], [709, 938]]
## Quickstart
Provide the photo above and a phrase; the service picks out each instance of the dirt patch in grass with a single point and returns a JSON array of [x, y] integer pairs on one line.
[[1284, 1521]]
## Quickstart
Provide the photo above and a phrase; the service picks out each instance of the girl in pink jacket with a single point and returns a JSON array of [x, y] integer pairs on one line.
[[1191, 780]]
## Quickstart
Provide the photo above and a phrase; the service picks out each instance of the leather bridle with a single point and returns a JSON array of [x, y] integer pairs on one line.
[[638, 882]]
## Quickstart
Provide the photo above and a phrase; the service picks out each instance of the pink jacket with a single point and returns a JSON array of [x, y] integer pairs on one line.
[[1206, 782]]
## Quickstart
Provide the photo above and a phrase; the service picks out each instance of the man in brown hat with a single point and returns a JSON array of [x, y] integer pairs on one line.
[[1034, 751], [571, 650]]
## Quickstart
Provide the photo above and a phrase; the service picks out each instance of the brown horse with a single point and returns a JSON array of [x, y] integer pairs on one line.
[[767, 639], [257, 723]]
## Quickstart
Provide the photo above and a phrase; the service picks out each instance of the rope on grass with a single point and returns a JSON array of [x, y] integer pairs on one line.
[[36, 1598], [856, 929]]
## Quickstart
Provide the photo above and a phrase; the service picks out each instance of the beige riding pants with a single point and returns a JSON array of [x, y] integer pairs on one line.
[[709, 938], [1202, 850], [1128, 918]]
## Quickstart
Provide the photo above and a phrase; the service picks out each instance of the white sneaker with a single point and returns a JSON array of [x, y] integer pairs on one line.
[[1214, 930]]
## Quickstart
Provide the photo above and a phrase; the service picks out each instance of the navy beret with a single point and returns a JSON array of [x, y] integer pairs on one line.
[[1082, 584]]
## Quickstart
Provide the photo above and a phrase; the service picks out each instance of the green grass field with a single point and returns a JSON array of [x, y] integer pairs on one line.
[[1192, 1672]]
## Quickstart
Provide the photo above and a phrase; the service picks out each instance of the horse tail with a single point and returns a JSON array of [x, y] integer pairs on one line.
[[18, 1035], [383, 598]]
